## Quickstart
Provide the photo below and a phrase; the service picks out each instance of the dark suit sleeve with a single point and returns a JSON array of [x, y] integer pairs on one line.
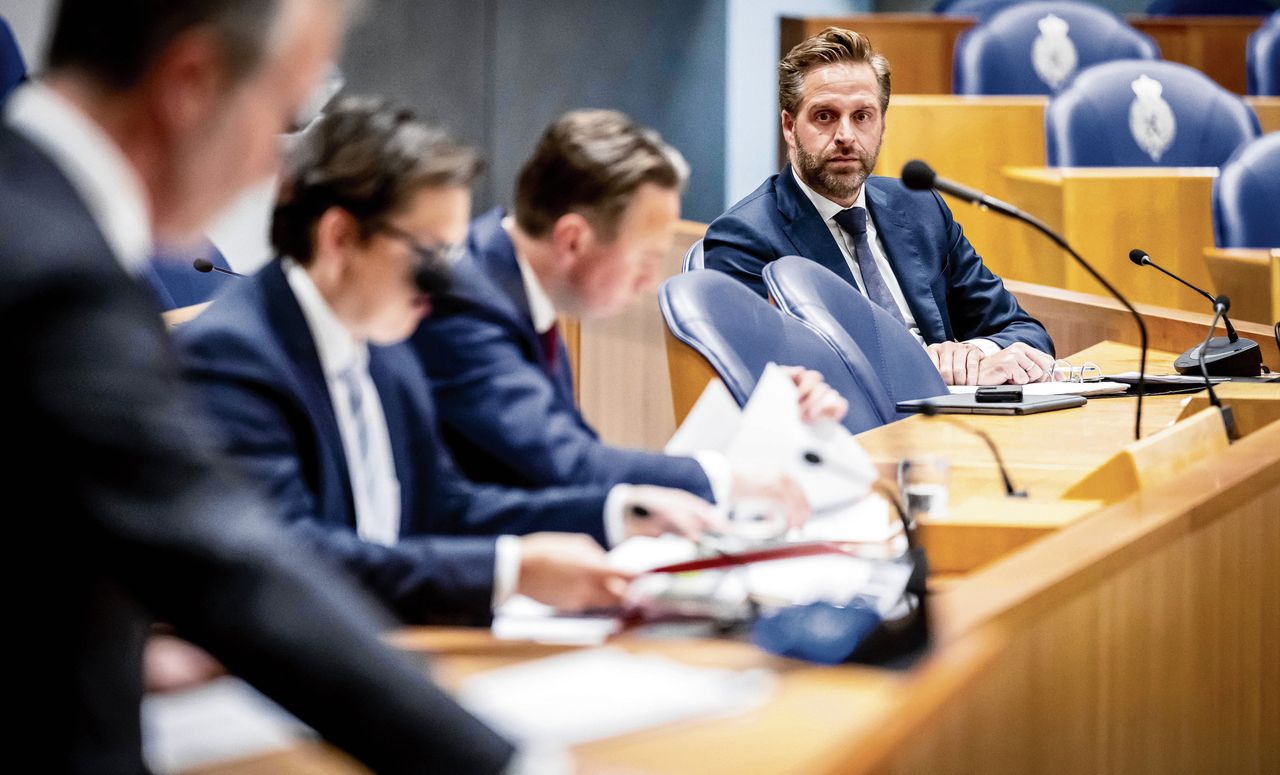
[[978, 303], [421, 577], [98, 387], [737, 247], [505, 408]]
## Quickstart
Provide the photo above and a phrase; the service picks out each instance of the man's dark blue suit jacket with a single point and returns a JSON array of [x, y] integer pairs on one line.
[[952, 295], [506, 416], [113, 460], [252, 356]]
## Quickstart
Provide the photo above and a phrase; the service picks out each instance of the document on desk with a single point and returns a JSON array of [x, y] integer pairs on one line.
[[223, 720], [1063, 388], [599, 693]]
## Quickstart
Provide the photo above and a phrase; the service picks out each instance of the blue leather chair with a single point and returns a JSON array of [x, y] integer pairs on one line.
[[1262, 59], [176, 281], [980, 9], [1035, 48], [1246, 196], [692, 258], [739, 333], [12, 69], [1209, 8], [1145, 114], [882, 355]]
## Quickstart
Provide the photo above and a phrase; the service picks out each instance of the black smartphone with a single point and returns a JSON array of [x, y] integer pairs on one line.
[[999, 394]]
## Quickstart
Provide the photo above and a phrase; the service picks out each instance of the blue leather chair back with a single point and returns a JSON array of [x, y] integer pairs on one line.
[[180, 285], [692, 258], [1035, 48], [1209, 8], [1262, 59], [884, 358], [1246, 196], [1145, 114], [12, 69], [980, 9], [739, 334]]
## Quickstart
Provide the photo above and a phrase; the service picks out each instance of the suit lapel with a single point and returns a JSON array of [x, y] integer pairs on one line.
[[806, 229], [287, 320], [902, 248]]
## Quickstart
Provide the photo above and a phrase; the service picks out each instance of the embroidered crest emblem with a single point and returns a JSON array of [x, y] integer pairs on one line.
[[1053, 55], [1151, 119]]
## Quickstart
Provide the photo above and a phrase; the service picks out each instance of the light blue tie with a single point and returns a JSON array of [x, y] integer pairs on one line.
[[854, 221]]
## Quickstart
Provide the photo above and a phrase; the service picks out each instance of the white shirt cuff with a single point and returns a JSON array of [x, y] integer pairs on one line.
[[506, 569], [540, 759], [719, 473], [615, 517], [987, 346]]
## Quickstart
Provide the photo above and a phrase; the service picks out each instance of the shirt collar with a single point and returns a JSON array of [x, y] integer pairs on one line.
[[541, 308], [339, 351], [826, 208], [93, 163]]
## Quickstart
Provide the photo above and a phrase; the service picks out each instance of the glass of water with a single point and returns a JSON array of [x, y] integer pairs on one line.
[[923, 483]]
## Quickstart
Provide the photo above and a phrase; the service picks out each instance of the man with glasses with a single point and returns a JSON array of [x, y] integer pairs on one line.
[[328, 412]]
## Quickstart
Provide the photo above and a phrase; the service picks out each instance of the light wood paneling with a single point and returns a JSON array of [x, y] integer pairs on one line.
[[622, 376], [1104, 212], [1244, 275], [1214, 45], [971, 140]]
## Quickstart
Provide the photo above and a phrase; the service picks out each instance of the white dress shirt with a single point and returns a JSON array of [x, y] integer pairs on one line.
[[715, 466], [99, 172], [828, 211]]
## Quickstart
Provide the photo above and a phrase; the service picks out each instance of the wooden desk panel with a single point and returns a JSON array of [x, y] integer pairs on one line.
[[919, 47], [1244, 275], [1214, 45], [971, 140], [1103, 213], [1268, 111], [624, 390]]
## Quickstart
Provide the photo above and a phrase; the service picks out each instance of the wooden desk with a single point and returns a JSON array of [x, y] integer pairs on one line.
[[1103, 213], [1268, 111], [920, 47], [1141, 638], [1243, 274], [1078, 320]]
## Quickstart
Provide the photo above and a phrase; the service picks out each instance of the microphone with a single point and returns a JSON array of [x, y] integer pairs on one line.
[[1233, 357], [918, 176], [206, 266], [908, 527], [928, 409], [1220, 306]]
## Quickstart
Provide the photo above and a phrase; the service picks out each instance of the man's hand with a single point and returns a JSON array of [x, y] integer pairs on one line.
[[1017, 364], [818, 400], [568, 571], [957, 362], [652, 511], [171, 664], [777, 487]]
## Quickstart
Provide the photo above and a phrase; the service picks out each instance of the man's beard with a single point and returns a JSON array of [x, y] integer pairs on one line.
[[815, 173]]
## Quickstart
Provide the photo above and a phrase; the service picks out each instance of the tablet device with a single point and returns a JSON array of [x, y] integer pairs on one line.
[[967, 403]]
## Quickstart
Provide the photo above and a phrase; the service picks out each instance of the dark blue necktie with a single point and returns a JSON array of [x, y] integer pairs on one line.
[[854, 221]]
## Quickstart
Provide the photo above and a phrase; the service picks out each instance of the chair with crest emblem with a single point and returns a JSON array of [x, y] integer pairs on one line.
[[1145, 114], [1036, 47]]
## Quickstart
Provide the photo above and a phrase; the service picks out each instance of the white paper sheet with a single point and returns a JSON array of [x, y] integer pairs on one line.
[[1105, 387], [599, 693]]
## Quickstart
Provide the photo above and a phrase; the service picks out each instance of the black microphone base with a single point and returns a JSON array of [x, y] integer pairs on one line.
[[1223, 358]]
